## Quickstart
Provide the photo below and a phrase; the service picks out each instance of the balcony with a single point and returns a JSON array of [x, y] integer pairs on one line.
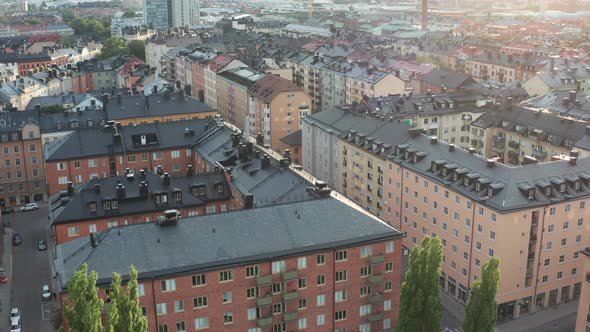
[[289, 316], [263, 280], [375, 279], [264, 301], [377, 298], [539, 154], [375, 317], [376, 259], [514, 145], [499, 148], [262, 322], [290, 275], [290, 296]]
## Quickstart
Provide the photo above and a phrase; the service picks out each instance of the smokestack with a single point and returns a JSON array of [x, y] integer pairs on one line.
[[424, 15]]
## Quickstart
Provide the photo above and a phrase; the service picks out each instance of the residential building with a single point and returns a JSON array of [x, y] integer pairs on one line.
[[427, 187], [19, 93], [22, 178], [156, 14], [97, 75], [185, 13], [198, 61], [504, 68], [217, 65], [159, 45], [292, 143], [559, 74], [275, 109], [109, 151], [28, 62], [583, 317], [443, 81], [567, 103], [517, 135], [232, 94], [321, 265], [100, 204]]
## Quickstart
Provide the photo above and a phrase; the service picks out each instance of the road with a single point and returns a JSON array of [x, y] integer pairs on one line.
[[31, 269]]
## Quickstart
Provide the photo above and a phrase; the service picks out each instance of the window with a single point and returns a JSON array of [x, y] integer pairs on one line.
[[279, 266], [226, 275], [228, 318], [578, 238], [545, 279], [387, 305], [388, 286], [302, 283], [389, 247], [178, 306], [365, 290], [547, 262], [389, 267], [302, 323], [200, 302], [563, 242], [227, 297], [321, 300], [73, 231], [549, 245], [341, 315], [566, 225], [365, 310], [157, 156], [321, 259], [92, 163], [321, 280], [341, 255], [251, 271], [161, 308], [201, 323], [199, 280], [251, 292], [580, 222], [550, 228], [168, 285], [341, 276], [32, 148], [277, 287], [321, 320], [559, 275], [277, 308], [301, 263], [180, 326], [574, 271], [492, 235], [365, 271], [252, 314], [303, 303], [340, 296], [141, 290], [163, 328], [366, 251], [175, 154], [491, 252]]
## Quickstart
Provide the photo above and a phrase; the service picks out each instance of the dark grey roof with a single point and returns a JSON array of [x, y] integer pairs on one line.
[[71, 120], [450, 79], [219, 241], [153, 105], [10, 121], [57, 100], [293, 138], [75, 208], [270, 185], [94, 141]]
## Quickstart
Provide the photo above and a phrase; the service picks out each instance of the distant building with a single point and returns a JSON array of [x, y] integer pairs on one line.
[[18, 93], [185, 13], [156, 14]]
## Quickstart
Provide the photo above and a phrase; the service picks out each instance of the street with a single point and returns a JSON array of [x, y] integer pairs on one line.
[[31, 269]]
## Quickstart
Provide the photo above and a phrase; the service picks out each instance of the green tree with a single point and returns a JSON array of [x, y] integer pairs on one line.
[[129, 14], [137, 49], [481, 311], [52, 109], [68, 40], [420, 301], [83, 307], [125, 314], [114, 46]]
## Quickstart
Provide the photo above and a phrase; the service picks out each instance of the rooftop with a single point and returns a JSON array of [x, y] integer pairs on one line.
[[215, 241], [269, 86]]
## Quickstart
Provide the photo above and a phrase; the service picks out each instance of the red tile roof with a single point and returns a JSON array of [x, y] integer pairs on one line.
[[270, 86], [219, 62]]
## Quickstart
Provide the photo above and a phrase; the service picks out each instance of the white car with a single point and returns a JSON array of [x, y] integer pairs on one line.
[[29, 207], [15, 313], [46, 292], [15, 325]]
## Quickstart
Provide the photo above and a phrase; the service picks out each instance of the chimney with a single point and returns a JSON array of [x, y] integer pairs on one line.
[[573, 161], [451, 147], [97, 187], [142, 173], [265, 161], [166, 179], [159, 170], [471, 150], [143, 189], [190, 171], [248, 200], [574, 154], [572, 96], [120, 190], [433, 140], [235, 140], [154, 89], [93, 102], [490, 163], [70, 188], [93, 240], [260, 139]]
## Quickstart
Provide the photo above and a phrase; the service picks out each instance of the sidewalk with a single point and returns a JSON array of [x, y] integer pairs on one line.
[[5, 290], [541, 317]]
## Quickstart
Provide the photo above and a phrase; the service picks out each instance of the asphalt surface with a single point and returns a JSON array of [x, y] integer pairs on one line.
[[31, 270]]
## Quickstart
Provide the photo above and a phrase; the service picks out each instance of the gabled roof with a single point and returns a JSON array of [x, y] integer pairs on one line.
[[269, 86], [449, 79], [160, 104], [219, 62]]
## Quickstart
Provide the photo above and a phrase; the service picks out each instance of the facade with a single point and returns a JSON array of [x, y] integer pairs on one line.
[[308, 269], [232, 94], [19, 93], [109, 151], [504, 68], [156, 14], [426, 187], [276, 107], [583, 318], [185, 13], [100, 204], [29, 62], [292, 144], [216, 66], [22, 178], [159, 45]]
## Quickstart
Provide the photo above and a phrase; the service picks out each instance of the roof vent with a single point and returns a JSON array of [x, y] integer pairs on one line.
[[169, 218], [130, 177], [573, 161], [70, 188], [451, 147], [471, 150], [433, 140], [490, 163], [166, 179]]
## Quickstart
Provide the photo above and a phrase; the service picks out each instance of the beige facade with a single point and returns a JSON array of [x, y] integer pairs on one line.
[[356, 87], [583, 319]]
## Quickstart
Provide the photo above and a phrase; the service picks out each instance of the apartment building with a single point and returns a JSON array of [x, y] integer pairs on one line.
[[97, 76], [517, 135], [217, 65], [443, 81], [232, 94], [559, 74], [198, 62], [100, 204], [22, 177], [320, 265], [109, 151], [307, 73], [504, 68], [531, 217], [19, 93], [583, 318], [275, 109], [292, 144], [157, 46]]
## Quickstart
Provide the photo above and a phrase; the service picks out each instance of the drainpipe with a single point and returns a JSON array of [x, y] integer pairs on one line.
[[471, 246], [154, 301]]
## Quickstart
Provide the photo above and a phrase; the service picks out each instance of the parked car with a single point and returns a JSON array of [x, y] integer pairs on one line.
[[29, 207], [7, 210], [15, 313], [46, 292], [41, 245], [16, 240], [15, 325], [3, 277]]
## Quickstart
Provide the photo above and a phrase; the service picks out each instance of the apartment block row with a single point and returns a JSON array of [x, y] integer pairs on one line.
[[533, 217]]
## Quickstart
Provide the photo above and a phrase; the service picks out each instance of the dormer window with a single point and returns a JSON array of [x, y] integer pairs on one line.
[[434, 166], [199, 190], [562, 188], [577, 185], [58, 125], [531, 193], [178, 196], [161, 199], [490, 192], [455, 176], [90, 123], [548, 191], [220, 188], [92, 207], [466, 181], [444, 171], [477, 186], [202, 190], [114, 205], [106, 205]]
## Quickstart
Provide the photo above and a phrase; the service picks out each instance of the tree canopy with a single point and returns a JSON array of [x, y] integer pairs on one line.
[[137, 49], [83, 307], [482, 308], [114, 46], [129, 14]]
